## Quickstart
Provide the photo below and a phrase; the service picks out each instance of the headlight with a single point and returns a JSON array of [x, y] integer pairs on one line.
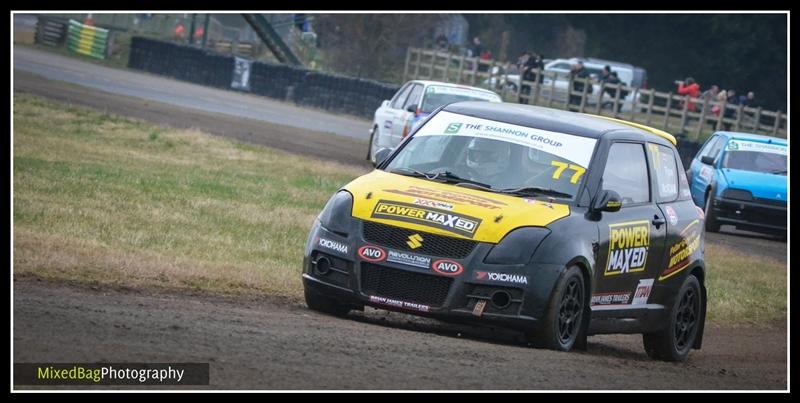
[[517, 247], [337, 214], [737, 194]]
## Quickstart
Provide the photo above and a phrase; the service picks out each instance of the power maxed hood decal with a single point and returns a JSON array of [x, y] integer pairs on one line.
[[446, 209]]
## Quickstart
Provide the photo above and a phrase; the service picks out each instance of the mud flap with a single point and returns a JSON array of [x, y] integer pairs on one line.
[[581, 342], [698, 341]]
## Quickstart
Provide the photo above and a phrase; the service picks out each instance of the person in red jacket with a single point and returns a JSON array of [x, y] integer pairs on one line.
[[690, 88]]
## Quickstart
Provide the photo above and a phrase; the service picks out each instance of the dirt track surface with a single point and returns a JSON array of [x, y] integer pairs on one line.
[[268, 343]]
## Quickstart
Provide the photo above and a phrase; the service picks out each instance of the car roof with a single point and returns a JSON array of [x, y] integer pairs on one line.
[[556, 120], [598, 62], [751, 136], [428, 82]]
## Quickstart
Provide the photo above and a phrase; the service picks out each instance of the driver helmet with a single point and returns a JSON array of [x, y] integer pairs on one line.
[[488, 157], [538, 156]]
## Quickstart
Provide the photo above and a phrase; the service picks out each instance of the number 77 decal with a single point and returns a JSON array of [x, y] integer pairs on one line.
[[562, 166]]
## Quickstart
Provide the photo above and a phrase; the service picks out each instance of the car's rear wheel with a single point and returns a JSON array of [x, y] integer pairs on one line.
[[711, 220], [325, 304], [563, 320], [674, 342]]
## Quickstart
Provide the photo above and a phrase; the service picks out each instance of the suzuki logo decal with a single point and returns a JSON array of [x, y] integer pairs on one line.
[[414, 241]]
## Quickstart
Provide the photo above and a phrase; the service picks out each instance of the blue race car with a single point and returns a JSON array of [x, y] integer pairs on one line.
[[740, 179]]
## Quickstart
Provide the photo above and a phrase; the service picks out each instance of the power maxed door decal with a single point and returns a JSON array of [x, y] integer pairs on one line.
[[628, 244], [441, 219]]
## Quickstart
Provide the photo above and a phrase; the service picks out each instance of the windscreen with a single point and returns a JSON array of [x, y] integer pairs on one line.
[[497, 156], [755, 157], [438, 95]]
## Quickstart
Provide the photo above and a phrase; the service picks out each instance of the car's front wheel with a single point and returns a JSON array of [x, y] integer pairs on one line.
[[563, 321], [324, 304], [674, 342], [711, 220]]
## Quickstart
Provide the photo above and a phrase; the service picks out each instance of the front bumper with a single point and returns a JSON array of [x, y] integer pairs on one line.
[[756, 216], [512, 296]]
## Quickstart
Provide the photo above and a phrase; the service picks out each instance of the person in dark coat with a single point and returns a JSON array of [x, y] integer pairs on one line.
[[578, 74]]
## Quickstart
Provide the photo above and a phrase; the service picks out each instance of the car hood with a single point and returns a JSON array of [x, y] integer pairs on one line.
[[446, 209], [762, 185]]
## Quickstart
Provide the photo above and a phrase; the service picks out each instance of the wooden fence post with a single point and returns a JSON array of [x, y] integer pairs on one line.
[[447, 68], [584, 95], [431, 71], [553, 91], [650, 106], [757, 124], [537, 87], [634, 103], [738, 123], [616, 101], [408, 60], [684, 111], [702, 119], [777, 124], [460, 69], [475, 71], [418, 62], [721, 117], [668, 111], [600, 98]]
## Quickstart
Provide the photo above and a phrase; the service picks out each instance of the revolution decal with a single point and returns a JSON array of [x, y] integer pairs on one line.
[[408, 259], [372, 253], [398, 303], [448, 197], [573, 148], [447, 267], [681, 252], [628, 243], [441, 219], [672, 216], [642, 292], [739, 145], [333, 245], [501, 277]]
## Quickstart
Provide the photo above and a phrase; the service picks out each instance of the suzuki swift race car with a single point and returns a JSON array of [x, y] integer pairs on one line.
[[558, 224]]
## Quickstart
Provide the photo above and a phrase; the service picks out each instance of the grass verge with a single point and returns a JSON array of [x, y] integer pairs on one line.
[[104, 199]]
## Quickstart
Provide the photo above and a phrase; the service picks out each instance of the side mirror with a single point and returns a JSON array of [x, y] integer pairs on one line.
[[381, 155], [412, 108], [607, 200], [385, 103], [708, 160]]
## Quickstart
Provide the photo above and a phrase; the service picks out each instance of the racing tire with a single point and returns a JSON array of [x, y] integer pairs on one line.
[[371, 144], [566, 311], [324, 304], [673, 342], [711, 220]]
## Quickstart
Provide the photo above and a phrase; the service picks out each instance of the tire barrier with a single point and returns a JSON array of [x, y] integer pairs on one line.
[[336, 93], [87, 40]]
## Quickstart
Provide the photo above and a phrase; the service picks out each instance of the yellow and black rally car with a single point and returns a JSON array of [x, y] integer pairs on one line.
[[558, 224]]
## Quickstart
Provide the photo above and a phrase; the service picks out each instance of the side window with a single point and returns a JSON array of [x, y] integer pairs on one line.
[[714, 152], [626, 173], [666, 170], [401, 96], [707, 148], [414, 98]]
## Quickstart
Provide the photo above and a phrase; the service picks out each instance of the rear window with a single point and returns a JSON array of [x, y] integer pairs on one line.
[[438, 95]]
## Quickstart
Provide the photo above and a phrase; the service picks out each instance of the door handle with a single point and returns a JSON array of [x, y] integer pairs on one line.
[[658, 221]]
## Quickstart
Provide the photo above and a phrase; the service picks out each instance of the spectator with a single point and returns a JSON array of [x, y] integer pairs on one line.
[[531, 62], [605, 75], [720, 98], [442, 43], [748, 100], [539, 64], [179, 32], [578, 75], [711, 93], [731, 108], [690, 88], [476, 49], [612, 91]]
